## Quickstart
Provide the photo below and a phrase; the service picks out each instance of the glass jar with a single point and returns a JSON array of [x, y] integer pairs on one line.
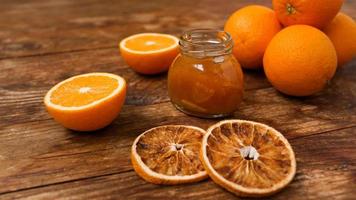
[[205, 79]]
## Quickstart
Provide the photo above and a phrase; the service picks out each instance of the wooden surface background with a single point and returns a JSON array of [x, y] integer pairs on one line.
[[43, 42]]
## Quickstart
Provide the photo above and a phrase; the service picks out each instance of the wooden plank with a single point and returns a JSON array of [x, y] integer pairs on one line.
[[22, 115], [22, 94], [40, 73], [46, 27], [78, 25], [326, 170], [54, 154]]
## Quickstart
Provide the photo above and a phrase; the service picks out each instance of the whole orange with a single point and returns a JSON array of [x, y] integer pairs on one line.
[[342, 33], [317, 13], [300, 60], [252, 28]]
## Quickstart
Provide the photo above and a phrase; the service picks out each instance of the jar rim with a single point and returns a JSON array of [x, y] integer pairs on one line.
[[205, 42], [225, 35]]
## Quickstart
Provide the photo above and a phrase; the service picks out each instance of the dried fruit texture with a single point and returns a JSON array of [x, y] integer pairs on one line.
[[317, 13], [149, 53], [248, 158], [300, 60], [342, 33], [169, 155], [86, 102], [252, 28]]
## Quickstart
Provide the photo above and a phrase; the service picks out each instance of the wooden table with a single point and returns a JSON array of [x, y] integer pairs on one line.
[[43, 42]]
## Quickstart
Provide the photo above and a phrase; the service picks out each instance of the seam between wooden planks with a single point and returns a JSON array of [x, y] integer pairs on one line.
[[57, 52], [155, 103], [38, 99], [64, 182], [129, 170], [323, 132], [168, 100]]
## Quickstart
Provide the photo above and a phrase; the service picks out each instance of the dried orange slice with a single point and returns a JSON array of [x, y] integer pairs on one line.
[[86, 102], [169, 155], [149, 53], [248, 158]]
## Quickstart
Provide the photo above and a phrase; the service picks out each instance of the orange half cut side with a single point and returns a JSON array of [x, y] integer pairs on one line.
[[149, 53], [86, 102]]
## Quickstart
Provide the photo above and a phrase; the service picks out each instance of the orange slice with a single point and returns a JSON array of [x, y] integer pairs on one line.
[[149, 53], [248, 158], [169, 155], [86, 102]]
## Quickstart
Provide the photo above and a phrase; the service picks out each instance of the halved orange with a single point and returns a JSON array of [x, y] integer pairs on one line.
[[169, 155], [248, 158], [149, 53], [86, 102]]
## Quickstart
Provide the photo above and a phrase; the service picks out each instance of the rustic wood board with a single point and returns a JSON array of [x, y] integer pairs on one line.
[[43, 42]]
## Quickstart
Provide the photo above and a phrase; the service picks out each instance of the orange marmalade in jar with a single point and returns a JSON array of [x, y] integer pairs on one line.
[[205, 79]]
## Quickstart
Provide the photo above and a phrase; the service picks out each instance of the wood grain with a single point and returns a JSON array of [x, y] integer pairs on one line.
[[80, 25], [24, 92], [60, 155], [42, 27], [43, 42], [325, 164]]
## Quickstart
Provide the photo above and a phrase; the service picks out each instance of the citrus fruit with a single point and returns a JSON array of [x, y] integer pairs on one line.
[[248, 158], [252, 28], [149, 53], [342, 33], [169, 155], [300, 60], [86, 102], [317, 13]]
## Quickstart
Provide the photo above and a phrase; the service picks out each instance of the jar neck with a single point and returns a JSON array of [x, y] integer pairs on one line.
[[202, 43]]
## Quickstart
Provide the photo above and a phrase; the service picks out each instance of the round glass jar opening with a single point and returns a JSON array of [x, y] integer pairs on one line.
[[205, 43], [205, 79]]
